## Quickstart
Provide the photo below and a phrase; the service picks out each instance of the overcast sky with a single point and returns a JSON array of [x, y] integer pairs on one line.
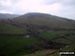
[[63, 8]]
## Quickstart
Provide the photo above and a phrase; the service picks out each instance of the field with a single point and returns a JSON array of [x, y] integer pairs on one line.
[[36, 34], [11, 29], [18, 45], [47, 35], [10, 45]]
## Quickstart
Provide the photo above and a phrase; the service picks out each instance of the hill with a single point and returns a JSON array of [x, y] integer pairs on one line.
[[33, 34], [10, 28], [6, 16], [46, 20]]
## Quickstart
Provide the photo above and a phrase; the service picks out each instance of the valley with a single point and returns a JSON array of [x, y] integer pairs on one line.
[[36, 34]]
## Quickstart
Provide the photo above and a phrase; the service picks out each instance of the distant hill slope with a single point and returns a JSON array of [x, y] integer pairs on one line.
[[6, 16], [48, 20], [10, 28]]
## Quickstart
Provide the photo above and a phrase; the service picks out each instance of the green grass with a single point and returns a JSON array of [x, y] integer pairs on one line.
[[44, 52], [62, 40], [47, 35], [67, 49], [15, 45], [11, 29], [70, 48], [18, 45], [69, 39]]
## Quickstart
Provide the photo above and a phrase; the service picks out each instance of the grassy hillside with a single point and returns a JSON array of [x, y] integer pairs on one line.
[[6, 28], [47, 35], [20, 46], [6, 16], [50, 21], [36, 34], [16, 45], [54, 52]]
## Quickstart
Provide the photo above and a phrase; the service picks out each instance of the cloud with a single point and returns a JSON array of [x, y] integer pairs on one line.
[[6, 11], [47, 8], [37, 6], [28, 4], [63, 8], [60, 1], [7, 6], [67, 8], [5, 2], [67, 12]]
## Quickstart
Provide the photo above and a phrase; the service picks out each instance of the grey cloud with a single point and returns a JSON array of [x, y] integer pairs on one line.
[[67, 8], [67, 12], [64, 2]]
